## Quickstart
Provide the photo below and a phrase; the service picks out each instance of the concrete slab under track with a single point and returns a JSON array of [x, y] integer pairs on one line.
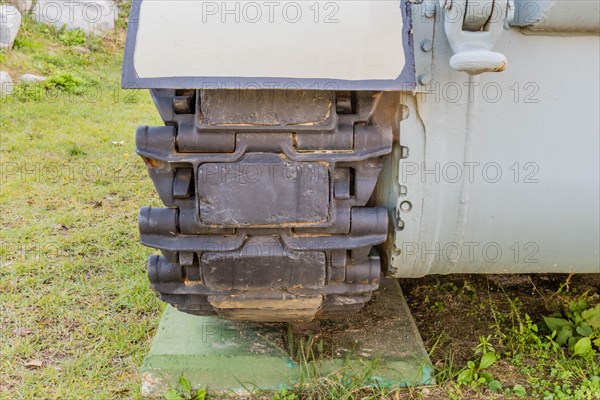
[[221, 355]]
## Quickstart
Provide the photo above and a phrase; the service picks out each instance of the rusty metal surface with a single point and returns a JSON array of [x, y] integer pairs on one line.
[[262, 108], [263, 190]]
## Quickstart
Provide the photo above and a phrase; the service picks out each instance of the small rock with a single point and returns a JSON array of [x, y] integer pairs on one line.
[[96, 17], [6, 84], [10, 22], [22, 5], [81, 49], [31, 78]]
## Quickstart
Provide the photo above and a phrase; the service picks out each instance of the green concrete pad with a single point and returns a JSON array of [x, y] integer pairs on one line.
[[223, 355]]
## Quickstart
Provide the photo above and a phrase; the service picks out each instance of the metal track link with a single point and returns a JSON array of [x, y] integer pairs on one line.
[[267, 195]]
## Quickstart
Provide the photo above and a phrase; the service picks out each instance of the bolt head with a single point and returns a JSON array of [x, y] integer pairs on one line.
[[424, 79], [426, 45]]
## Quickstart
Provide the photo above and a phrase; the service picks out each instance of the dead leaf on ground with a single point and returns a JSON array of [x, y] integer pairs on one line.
[[22, 331], [34, 364]]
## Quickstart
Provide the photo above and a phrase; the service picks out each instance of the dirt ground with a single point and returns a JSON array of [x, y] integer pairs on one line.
[[453, 312], [463, 314]]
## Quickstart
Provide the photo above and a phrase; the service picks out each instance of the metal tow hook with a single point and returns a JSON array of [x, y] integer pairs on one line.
[[473, 29]]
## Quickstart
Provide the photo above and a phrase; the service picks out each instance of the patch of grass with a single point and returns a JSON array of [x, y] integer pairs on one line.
[[76, 311], [26, 44], [75, 150], [355, 379], [42, 49]]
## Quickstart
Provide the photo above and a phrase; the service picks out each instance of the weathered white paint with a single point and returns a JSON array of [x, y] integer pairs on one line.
[[350, 40], [537, 124], [558, 15], [473, 49]]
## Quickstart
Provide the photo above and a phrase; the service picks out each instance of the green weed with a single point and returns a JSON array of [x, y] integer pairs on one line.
[[285, 394], [185, 392], [475, 372], [66, 82], [74, 37], [559, 361], [577, 326]]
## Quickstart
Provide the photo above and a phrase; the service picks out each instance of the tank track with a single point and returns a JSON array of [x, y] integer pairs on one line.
[[266, 196]]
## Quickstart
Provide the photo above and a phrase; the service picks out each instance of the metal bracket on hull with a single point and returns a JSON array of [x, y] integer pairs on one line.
[[473, 29]]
